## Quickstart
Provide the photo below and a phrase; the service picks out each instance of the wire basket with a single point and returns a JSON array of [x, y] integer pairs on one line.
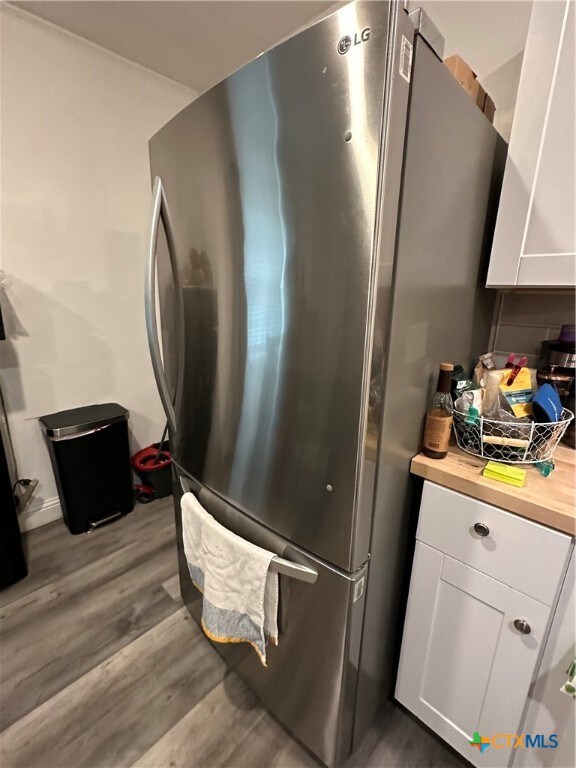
[[510, 442]]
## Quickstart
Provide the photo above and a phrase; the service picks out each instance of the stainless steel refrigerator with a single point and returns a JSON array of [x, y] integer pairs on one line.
[[317, 229]]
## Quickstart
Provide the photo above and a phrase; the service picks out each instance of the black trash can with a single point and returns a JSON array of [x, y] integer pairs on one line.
[[12, 561], [91, 460]]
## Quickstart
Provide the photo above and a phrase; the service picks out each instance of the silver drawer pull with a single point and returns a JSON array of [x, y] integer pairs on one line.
[[481, 529], [522, 626]]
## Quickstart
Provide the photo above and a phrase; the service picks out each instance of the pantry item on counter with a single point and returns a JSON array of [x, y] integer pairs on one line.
[[505, 427], [505, 473], [512, 442], [473, 415], [545, 467], [507, 442], [569, 437], [558, 364], [487, 360], [439, 416], [472, 398], [518, 390], [561, 381], [546, 405], [485, 363], [508, 402], [561, 355], [516, 368], [567, 334], [461, 382], [557, 356]]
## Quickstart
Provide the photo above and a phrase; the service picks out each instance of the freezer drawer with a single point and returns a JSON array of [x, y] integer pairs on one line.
[[310, 681]]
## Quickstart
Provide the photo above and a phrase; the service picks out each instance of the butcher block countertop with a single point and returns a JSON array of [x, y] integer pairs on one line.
[[547, 500]]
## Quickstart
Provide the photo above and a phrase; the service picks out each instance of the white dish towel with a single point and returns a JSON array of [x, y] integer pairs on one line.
[[240, 593]]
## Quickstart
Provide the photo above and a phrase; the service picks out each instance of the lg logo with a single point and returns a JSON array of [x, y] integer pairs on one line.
[[346, 42]]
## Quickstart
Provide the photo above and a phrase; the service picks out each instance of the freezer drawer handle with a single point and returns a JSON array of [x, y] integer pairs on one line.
[[159, 209], [293, 570]]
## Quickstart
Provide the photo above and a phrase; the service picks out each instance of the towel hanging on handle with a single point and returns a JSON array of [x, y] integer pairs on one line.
[[240, 592]]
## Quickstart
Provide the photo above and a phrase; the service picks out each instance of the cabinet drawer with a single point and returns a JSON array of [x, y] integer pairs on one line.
[[524, 555]]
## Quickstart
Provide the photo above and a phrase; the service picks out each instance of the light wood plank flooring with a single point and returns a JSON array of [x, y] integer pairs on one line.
[[102, 666]]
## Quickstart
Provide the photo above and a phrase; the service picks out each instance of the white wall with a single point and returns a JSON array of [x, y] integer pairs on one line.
[[75, 193]]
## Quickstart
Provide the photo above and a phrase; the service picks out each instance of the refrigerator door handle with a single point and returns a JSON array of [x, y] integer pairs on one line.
[[277, 564], [159, 209]]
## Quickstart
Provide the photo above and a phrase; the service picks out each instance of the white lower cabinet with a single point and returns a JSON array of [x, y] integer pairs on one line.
[[472, 644], [464, 665], [550, 710]]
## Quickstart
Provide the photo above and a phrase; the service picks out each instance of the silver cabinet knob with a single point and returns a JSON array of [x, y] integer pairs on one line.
[[522, 626], [481, 529]]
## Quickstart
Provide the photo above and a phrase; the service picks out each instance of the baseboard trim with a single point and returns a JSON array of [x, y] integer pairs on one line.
[[47, 513]]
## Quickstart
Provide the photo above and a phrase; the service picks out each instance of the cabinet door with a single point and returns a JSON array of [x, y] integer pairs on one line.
[[550, 710], [534, 242], [464, 666]]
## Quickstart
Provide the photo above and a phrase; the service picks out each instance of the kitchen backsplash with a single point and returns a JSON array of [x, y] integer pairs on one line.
[[524, 319]]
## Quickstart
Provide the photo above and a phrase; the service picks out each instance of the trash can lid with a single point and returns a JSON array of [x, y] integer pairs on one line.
[[76, 421]]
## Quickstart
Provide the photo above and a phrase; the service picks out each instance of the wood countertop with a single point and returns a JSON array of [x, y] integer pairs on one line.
[[546, 500]]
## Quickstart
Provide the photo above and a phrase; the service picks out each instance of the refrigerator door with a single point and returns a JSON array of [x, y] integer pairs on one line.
[[270, 180], [320, 627]]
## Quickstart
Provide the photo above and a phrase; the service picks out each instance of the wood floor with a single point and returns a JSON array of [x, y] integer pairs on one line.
[[101, 666]]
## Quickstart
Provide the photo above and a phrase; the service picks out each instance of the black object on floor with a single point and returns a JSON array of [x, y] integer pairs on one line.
[[12, 560], [91, 460]]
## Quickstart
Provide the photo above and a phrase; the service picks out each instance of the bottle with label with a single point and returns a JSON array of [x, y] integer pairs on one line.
[[439, 416]]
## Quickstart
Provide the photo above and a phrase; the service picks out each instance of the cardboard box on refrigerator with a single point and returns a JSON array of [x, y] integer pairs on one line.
[[461, 71], [489, 108], [467, 79], [478, 95]]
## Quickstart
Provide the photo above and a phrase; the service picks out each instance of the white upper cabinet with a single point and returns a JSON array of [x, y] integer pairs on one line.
[[535, 237]]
